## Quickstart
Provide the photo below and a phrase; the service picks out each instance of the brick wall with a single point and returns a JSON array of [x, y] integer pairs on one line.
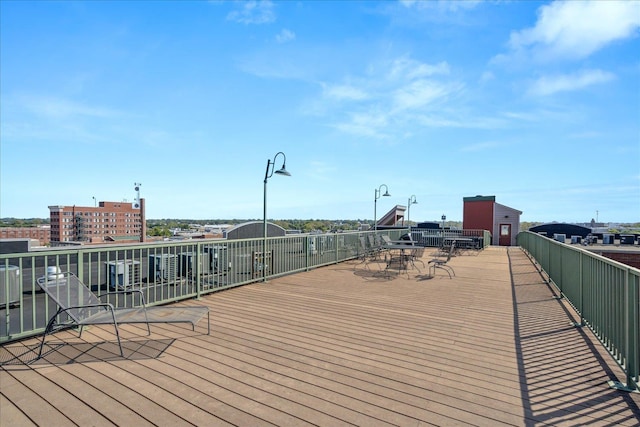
[[629, 258]]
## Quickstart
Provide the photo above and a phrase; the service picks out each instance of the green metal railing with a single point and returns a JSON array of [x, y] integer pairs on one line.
[[476, 239], [605, 293], [165, 271]]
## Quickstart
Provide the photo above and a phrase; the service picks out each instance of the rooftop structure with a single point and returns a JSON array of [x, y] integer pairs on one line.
[[483, 213]]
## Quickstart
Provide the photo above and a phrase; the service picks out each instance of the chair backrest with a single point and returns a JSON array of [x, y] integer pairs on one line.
[[363, 243], [385, 239], [451, 249], [67, 290]]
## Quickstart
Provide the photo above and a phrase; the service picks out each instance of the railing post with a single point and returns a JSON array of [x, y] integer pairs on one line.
[[81, 267], [198, 268], [581, 290], [307, 251]]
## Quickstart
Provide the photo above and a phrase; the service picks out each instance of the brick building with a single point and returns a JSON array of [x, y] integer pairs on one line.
[[106, 223], [42, 233]]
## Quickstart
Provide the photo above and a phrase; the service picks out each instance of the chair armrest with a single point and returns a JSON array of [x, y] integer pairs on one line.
[[127, 291], [107, 306]]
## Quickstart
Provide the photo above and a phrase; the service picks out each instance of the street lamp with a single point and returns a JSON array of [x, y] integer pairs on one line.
[[412, 201], [268, 174], [375, 204]]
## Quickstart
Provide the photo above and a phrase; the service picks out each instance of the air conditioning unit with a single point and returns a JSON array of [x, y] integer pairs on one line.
[[163, 267], [123, 274], [608, 239], [560, 237], [9, 275], [188, 263], [627, 239], [216, 259]]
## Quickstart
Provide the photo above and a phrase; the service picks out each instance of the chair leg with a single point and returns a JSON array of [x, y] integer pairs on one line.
[[115, 325], [44, 336]]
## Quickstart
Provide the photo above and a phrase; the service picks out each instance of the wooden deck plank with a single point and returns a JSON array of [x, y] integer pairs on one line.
[[28, 399], [339, 345], [11, 415]]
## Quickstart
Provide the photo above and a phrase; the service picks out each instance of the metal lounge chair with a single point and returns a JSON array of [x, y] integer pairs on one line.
[[443, 262], [83, 307]]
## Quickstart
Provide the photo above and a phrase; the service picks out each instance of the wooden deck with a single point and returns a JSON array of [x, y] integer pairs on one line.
[[336, 346]]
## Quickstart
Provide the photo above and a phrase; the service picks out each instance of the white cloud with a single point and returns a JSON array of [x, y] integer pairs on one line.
[[253, 12], [576, 29], [370, 124], [390, 97], [549, 85], [419, 94], [480, 146], [408, 69], [345, 92], [441, 5], [59, 108], [285, 36], [487, 76]]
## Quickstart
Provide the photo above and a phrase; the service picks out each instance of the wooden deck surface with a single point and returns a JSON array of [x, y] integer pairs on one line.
[[338, 345]]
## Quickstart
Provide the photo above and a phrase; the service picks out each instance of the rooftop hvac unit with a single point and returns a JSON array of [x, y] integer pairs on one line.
[[216, 260], [123, 274], [163, 267], [607, 239], [576, 239], [188, 263], [559, 237], [627, 239], [9, 275]]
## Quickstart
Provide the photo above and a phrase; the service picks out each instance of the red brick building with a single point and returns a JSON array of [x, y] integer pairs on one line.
[[42, 233], [106, 223]]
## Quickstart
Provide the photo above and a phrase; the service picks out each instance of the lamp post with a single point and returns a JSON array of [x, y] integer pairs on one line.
[[443, 218], [268, 174], [375, 203], [412, 201], [94, 201]]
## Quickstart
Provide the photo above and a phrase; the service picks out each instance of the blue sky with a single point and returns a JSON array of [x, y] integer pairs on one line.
[[537, 103]]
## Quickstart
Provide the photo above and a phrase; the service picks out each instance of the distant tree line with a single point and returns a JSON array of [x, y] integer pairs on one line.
[[163, 227]]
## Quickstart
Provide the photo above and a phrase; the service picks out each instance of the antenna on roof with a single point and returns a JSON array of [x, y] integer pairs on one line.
[[136, 187]]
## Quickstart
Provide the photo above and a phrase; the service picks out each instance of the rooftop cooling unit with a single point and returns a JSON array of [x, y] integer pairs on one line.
[[9, 275], [123, 274], [189, 262], [216, 259], [559, 237], [607, 239], [627, 239], [163, 267]]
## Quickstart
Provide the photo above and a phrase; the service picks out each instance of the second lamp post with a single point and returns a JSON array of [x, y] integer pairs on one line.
[[412, 201], [375, 204], [268, 174]]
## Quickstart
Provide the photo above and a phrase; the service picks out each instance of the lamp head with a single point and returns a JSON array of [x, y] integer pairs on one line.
[[283, 171]]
